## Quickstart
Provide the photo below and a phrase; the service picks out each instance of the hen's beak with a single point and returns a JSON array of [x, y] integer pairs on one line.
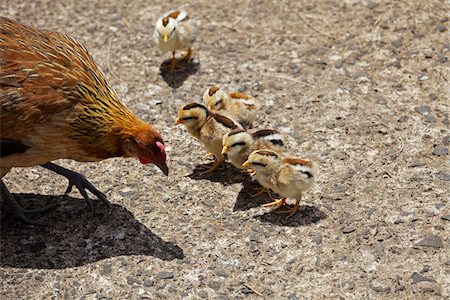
[[247, 164], [178, 122], [225, 149], [163, 167], [165, 38]]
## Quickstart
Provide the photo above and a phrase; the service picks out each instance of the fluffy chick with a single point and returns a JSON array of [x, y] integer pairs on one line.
[[208, 127], [289, 177], [238, 144], [238, 106], [174, 31]]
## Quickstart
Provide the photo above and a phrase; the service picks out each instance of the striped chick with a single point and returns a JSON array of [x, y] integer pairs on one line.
[[236, 105], [289, 176], [207, 127]]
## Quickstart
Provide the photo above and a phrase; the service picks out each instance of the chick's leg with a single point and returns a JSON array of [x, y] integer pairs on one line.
[[261, 191], [174, 62], [17, 211], [215, 166], [293, 210], [188, 54], [79, 181], [278, 203]]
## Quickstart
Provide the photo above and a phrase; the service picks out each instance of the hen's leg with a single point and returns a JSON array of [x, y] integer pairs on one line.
[[20, 213], [79, 181]]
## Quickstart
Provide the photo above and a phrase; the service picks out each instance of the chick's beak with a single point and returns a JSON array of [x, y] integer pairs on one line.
[[247, 164], [178, 122], [165, 38], [225, 149]]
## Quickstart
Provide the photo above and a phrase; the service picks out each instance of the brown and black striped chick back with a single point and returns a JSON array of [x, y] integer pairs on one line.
[[56, 103]]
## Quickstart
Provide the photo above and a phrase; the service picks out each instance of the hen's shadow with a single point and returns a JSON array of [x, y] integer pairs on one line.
[[75, 236], [184, 69], [228, 175]]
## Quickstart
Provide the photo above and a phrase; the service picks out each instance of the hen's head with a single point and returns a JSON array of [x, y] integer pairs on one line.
[[149, 148]]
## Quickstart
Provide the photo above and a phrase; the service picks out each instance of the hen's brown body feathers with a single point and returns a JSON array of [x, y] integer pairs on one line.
[[56, 103]]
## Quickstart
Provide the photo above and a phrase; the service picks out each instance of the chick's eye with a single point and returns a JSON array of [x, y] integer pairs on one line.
[[159, 33], [173, 30], [218, 102]]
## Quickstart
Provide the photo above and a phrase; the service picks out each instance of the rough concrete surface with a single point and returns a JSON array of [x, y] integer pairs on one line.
[[360, 86]]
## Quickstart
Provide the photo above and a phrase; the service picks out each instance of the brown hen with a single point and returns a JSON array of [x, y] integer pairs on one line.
[[56, 103]]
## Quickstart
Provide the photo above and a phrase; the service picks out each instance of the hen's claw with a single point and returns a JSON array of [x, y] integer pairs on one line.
[[20, 213], [80, 182]]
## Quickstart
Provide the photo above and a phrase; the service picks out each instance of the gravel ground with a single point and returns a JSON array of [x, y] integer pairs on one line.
[[360, 86]]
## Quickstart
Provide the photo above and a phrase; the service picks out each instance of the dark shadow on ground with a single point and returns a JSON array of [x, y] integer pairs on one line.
[[306, 215], [185, 68], [246, 200], [229, 174], [75, 236]]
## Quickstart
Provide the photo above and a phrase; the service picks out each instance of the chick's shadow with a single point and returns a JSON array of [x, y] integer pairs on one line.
[[246, 200], [75, 236], [227, 176], [185, 68]]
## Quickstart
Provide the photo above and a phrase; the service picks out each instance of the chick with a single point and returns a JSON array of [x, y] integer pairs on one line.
[[208, 128], [237, 106], [238, 144], [174, 31], [289, 177]]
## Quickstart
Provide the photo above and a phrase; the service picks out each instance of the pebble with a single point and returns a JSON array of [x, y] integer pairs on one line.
[[417, 277], [349, 228], [446, 140], [398, 42], [132, 280], [148, 282], [341, 188], [442, 28], [164, 275], [423, 110], [215, 285], [431, 241], [107, 268], [126, 191], [446, 218], [380, 289], [371, 4], [440, 151], [445, 177], [379, 249], [442, 58]]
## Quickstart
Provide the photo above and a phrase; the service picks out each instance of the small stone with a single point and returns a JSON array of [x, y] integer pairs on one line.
[[380, 289], [142, 271], [444, 20], [371, 4], [107, 268], [222, 274], [317, 239], [292, 296], [398, 42], [126, 192], [341, 188], [338, 64], [148, 282], [131, 280], [379, 249], [242, 89], [349, 228], [164, 275], [246, 290], [147, 209], [445, 177], [38, 247], [442, 28], [423, 77], [417, 277], [215, 285], [423, 110], [433, 97], [442, 58], [431, 241], [446, 140], [440, 151], [446, 218]]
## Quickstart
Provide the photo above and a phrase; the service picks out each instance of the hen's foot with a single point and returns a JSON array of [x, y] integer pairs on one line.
[[80, 182]]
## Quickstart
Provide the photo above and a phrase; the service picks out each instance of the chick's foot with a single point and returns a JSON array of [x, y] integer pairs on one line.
[[80, 182], [278, 203], [20, 213]]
